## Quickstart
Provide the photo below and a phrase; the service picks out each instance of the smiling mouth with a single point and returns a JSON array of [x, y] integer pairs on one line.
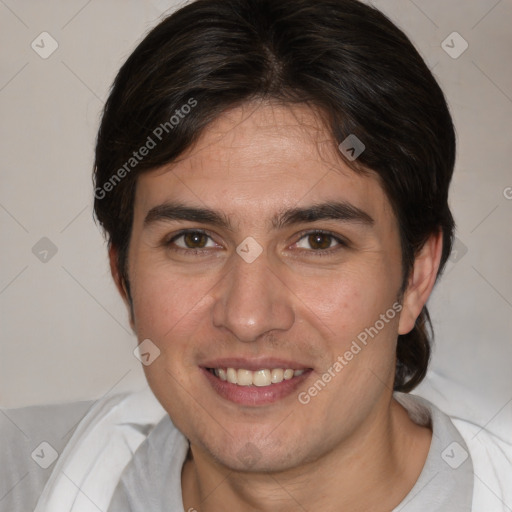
[[260, 378]]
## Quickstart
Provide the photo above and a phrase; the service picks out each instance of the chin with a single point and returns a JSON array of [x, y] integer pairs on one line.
[[251, 456]]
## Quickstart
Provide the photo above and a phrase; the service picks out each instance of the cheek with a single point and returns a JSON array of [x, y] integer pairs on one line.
[[165, 301], [355, 313], [168, 310], [346, 301]]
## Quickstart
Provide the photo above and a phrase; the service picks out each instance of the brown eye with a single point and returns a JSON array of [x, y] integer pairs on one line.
[[191, 240], [320, 241], [195, 240]]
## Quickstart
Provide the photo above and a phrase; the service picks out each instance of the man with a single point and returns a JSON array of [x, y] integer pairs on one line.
[[272, 177]]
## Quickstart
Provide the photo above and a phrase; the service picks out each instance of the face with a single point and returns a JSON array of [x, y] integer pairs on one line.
[[260, 251]]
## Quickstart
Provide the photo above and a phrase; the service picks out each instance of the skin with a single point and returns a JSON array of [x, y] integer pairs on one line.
[[352, 447]]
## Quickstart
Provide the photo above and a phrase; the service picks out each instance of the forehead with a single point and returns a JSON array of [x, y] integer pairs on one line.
[[260, 158]]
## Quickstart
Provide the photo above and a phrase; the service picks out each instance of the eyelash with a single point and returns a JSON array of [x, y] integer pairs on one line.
[[320, 252], [323, 252]]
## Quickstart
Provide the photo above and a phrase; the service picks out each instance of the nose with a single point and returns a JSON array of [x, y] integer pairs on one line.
[[252, 300]]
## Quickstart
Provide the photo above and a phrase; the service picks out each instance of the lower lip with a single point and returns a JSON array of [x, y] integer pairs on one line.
[[254, 395]]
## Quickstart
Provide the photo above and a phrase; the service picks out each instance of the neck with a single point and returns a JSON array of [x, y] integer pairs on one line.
[[372, 470]]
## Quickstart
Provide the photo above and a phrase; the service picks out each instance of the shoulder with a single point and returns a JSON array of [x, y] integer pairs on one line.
[[99, 448], [490, 453], [30, 442], [489, 442], [492, 465]]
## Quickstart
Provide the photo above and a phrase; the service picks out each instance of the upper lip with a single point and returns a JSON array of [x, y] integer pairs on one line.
[[253, 364]]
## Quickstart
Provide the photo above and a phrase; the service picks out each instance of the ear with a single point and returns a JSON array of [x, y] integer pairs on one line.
[[119, 281], [421, 282]]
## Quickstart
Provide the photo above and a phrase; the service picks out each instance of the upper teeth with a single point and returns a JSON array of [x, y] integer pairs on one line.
[[263, 377]]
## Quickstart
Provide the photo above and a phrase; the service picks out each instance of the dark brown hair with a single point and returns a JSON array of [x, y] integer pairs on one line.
[[342, 57]]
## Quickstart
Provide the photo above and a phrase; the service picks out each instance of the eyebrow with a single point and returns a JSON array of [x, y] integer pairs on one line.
[[332, 210]]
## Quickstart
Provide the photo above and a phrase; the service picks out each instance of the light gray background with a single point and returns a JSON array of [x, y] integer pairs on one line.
[[64, 330]]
